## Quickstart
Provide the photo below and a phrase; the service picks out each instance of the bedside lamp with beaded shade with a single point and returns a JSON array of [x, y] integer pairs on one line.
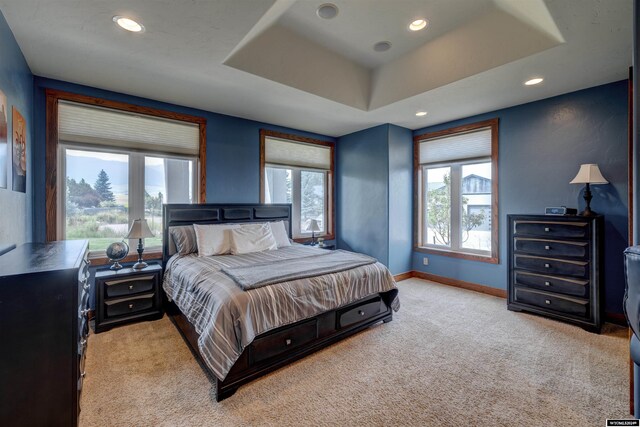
[[139, 230], [588, 174]]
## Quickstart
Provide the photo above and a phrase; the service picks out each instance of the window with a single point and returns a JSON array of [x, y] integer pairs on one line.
[[101, 201], [457, 185], [299, 171], [118, 164]]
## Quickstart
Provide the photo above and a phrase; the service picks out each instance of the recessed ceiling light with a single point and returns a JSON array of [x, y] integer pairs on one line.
[[382, 46], [535, 81], [421, 113], [327, 11], [418, 24], [128, 24]]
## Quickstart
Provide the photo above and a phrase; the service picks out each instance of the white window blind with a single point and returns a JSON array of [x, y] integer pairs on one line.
[[469, 145], [296, 154], [88, 124]]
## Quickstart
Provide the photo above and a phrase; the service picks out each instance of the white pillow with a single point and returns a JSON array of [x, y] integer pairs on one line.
[[280, 234], [213, 239], [252, 238]]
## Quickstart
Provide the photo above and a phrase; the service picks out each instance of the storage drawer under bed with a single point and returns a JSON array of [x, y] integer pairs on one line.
[[360, 312], [283, 340]]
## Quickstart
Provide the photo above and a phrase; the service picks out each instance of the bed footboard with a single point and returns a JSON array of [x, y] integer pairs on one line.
[[279, 347]]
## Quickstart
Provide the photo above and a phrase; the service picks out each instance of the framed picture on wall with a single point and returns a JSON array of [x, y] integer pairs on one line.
[[19, 152], [4, 142]]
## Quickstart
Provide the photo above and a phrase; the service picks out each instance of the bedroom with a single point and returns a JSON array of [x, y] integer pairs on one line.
[[242, 84]]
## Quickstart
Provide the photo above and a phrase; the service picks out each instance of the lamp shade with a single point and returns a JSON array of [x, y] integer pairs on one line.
[[139, 230], [313, 225], [589, 174]]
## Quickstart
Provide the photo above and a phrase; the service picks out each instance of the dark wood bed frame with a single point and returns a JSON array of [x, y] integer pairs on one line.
[[279, 347]]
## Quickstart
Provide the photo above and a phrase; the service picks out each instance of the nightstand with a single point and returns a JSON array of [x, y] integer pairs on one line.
[[127, 295], [327, 247]]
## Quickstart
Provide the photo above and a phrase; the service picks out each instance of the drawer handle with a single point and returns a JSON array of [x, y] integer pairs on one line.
[[547, 247], [547, 229], [287, 341], [547, 283], [546, 265], [547, 301], [130, 287], [361, 313], [130, 306]]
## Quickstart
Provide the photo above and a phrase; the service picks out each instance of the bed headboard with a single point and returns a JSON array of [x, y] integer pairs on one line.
[[208, 213]]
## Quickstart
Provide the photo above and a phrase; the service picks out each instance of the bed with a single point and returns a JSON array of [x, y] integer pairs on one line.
[[238, 335]]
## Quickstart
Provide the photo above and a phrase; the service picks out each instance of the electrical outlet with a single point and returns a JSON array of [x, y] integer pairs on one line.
[[425, 261]]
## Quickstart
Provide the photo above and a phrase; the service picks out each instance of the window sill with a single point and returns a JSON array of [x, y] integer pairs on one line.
[[490, 259], [98, 260], [308, 239]]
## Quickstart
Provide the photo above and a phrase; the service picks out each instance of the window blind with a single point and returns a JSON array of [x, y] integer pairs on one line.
[[88, 124], [469, 145], [298, 154]]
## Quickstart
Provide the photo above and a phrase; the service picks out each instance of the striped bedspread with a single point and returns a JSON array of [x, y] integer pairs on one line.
[[227, 318]]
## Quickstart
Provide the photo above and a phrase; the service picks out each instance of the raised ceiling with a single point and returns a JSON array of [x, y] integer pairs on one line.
[[276, 61]]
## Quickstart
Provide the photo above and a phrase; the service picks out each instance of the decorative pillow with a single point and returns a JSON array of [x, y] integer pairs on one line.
[[184, 237], [280, 234], [252, 238], [213, 239]]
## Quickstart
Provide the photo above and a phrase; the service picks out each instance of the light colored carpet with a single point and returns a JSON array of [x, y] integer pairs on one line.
[[449, 357]]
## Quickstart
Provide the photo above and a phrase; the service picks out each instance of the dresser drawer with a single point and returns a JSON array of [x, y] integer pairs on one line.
[[124, 306], [129, 285], [278, 342], [549, 301], [574, 230], [552, 248], [572, 287], [552, 266], [359, 312]]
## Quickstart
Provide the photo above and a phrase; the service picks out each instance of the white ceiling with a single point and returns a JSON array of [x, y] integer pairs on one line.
[[193, 53]]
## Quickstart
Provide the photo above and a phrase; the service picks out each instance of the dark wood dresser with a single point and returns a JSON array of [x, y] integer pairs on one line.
[[555, 267], [43, 332]]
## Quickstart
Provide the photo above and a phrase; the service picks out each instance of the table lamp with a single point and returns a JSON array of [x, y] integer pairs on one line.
[[139, 230], [588, 174], [313, 227]]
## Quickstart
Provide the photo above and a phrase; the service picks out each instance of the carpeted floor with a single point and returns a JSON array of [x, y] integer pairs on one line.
[[450, 357]]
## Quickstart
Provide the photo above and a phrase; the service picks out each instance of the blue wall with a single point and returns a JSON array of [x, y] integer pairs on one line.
[[362, 183], [374, 182], [400, 199], [541, 147], [233, 149], [16, 81]]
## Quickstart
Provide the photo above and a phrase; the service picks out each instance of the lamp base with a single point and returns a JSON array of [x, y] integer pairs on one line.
[[140, 265], [588, 212]]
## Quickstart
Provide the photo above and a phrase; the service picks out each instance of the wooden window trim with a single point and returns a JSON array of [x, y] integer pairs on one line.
[[51, 150], [330, 181], [417, 202]]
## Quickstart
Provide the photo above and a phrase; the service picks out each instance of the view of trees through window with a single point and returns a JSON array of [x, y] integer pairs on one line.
[[98, 194], [310, 185]]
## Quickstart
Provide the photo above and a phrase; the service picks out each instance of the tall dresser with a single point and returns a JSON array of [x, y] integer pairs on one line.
[[43, 331], [555, 267]]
